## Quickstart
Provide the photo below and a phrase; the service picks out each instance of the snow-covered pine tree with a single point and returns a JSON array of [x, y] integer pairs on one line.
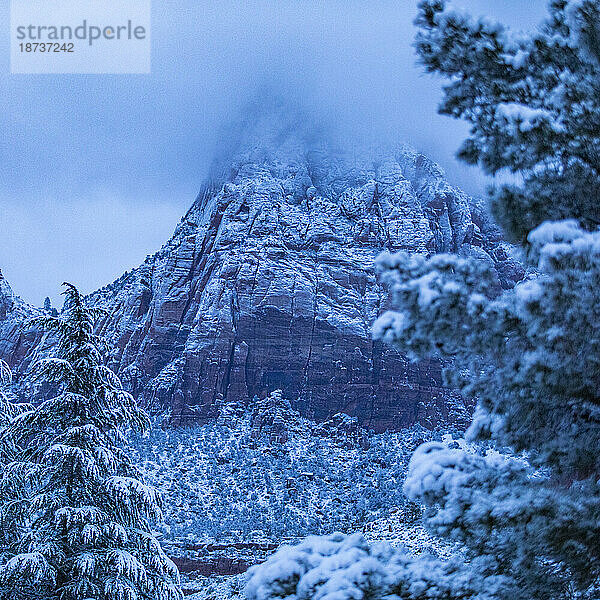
[[529, 527], [531, 355], [533, 104], [12, 484], [8, 409], [88, 513], [5, 457]]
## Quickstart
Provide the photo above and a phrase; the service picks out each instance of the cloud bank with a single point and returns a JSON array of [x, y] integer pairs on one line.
[[97, 170]]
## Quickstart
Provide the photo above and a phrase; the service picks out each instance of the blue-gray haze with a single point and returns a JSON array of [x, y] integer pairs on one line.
[[95, 171]]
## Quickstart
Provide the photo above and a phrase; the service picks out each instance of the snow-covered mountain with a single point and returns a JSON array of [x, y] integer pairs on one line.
[[269, 282]]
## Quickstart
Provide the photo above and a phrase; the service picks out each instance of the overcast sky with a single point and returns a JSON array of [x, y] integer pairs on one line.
[[96, 171]]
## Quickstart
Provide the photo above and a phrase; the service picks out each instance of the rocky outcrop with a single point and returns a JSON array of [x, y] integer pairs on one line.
[[345, 430], [274, 417], [17, 338], [269, 283], [207, 560]]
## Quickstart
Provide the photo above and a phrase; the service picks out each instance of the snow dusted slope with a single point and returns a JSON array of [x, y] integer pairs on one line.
[[268, 282]]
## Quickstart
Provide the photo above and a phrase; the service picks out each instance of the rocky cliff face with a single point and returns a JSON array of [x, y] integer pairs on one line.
[[17, 339], [269, 283]]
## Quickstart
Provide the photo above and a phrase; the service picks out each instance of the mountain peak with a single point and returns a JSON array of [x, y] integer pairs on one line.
[[6, 295], [269, 282]]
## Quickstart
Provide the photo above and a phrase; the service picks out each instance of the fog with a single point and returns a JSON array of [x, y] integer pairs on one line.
[[95, 171]]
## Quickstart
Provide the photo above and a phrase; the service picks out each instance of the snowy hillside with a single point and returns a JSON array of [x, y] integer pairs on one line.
[[238, 489]]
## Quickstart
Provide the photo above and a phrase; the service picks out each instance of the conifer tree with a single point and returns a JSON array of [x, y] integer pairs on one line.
[[88, 515], [6, 414], [530, 356], [11, 483], [8, 409], [533, 104]]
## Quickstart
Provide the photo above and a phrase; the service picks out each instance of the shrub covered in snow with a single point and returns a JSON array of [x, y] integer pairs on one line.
[[229, 483], [339, 567]]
